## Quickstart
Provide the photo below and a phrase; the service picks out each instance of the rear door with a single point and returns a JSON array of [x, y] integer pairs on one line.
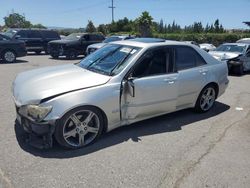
[[193, 73], [155, 86], [34, 41]]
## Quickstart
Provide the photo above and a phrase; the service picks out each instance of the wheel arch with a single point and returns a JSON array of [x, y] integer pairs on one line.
[[215, 85], [7, 49], [104, 116]]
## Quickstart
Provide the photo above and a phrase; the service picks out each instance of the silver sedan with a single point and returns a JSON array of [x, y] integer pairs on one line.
[[119, 84]]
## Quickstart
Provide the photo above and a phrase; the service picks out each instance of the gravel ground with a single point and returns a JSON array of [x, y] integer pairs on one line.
[[182, 149]]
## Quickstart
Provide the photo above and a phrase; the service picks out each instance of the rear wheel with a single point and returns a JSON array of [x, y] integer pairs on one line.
[[9, 56], [206, 99], [38, 52], [79, 127], [54, 56]]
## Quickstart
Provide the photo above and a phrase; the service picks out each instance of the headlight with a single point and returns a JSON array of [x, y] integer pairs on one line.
[[38, 113]]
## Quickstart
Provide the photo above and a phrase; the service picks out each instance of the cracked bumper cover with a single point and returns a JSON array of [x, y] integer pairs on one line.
[[40, 134]]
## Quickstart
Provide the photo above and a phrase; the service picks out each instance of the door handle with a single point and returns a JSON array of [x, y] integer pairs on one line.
[[170, 80], [203, 71]]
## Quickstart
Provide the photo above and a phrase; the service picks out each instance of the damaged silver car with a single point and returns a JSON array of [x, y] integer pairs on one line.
[[122, 83], [236, 55]]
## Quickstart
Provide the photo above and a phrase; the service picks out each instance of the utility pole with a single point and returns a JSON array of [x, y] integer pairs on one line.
[[112, 7]]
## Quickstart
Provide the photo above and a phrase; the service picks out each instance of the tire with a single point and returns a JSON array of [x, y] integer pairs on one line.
[[239, 70], [38, 52], [206, 99], [54, 56], [79, 127], [72, 54], [9, 56]]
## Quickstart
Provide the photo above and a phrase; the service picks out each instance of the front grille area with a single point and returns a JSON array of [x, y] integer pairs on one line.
[[55, 48]]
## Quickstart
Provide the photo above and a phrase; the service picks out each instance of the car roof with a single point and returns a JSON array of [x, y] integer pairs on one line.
[[143, 44], [237, 44]]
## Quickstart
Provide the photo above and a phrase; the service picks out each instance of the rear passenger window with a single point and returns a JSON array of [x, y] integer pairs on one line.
[[93, 38], [34, 34], [22, 34], [50, 34], [186, 57]]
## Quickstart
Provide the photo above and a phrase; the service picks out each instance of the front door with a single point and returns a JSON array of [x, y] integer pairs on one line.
[[151, 88]]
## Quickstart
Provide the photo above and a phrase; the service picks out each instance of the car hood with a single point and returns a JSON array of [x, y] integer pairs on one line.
[[63, 41], [97, 45], [224, 55], [32, 86]]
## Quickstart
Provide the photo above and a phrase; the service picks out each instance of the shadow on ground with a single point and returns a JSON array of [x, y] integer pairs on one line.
[[163, 124], [16, 62]]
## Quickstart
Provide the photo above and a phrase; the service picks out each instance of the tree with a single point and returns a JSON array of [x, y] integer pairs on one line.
[[145, 24], [217, 26], [161, 27], [39, 26], [90, 28], [102, 29], [16, 20]]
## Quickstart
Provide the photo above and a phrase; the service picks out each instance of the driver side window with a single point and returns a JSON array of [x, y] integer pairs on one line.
[[154, 62], [86, 37]]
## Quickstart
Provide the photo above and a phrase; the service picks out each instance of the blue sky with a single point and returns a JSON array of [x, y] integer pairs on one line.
[[76, 13]]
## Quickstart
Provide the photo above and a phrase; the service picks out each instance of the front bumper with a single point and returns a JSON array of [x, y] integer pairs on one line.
[[39, 134], [57, 50], [21, 52]]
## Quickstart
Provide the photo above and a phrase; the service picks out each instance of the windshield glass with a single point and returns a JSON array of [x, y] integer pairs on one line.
[[73, 36], [231, 48], [10, 33], [112, 39], [109, 60]]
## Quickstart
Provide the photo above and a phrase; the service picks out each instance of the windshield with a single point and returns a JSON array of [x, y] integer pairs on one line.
[[109, 60], [231, 48], [10, 33], [112, 39], [73, 36]]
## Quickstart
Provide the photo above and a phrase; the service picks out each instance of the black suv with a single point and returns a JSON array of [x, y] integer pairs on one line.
[[73, 45], [36, 40], [11, 48]]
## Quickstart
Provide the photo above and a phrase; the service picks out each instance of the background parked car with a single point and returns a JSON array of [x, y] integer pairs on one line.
[[237, 56], [207, 47], [35, 40], [244, 40], [192, 42], [11, 48], [94, 47], [73, 45]]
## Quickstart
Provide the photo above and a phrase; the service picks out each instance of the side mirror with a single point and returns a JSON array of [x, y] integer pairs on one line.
[[131, 86]]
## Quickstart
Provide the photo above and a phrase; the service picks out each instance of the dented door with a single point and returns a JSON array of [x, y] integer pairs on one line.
[[153, 95]]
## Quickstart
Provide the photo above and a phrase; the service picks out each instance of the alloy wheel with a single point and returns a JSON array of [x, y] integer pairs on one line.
[[9, 56], [81, 128], [207, 99]]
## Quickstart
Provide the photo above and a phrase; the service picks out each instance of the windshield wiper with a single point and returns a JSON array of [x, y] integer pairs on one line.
[[98, 71]]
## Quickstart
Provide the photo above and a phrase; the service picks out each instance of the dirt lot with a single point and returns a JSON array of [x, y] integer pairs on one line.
[[182, 149]]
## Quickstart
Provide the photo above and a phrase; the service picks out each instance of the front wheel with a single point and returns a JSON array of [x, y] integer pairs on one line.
[[206, 99], [9, 56], [79, 127]]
